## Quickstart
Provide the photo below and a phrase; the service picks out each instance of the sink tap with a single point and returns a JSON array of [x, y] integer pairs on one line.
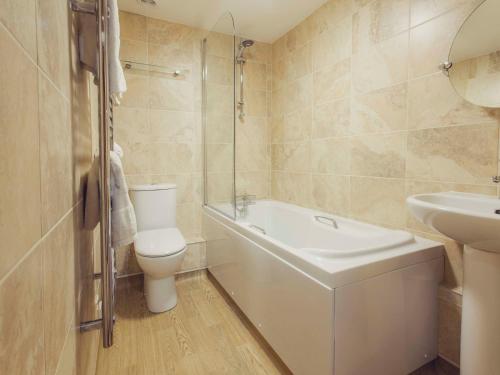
[[242, 203]]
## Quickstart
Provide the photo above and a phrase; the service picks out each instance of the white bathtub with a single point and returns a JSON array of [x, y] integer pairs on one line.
[[329, 294]]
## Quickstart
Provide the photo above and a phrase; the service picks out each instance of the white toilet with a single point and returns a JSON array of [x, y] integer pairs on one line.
[[159, 245]]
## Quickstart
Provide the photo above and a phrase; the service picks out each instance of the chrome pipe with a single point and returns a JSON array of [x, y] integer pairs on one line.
[[107, 276], [204, 116], [241, 102]]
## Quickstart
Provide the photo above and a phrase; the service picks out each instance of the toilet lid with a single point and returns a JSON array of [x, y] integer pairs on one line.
[[159, 242]]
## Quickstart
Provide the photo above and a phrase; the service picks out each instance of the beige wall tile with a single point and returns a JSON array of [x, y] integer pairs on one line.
[[19, 152], [332, 156], [19, 16], [430, 42], [299, 62], [133, 50], [220, 70], [380, 111], [255, 75], [172, 34], [432, 102], [53, 42], [378, 200], [446, 154], [379, 155], [169, 158], [255, 103], [379, 20], [252, 130], [58, 289], [220, 45], [136, 157], [293, 157], [382, 65], [171, 56], [299, 94], [133, 26], [55, 154], [170, 94], [332, 82], [333, 45], [298, 36], [68, 362], [260, 52], [424, 10], [297, 126], [220, 99], [253, 183], [21, 341], [219, 128], [131, 125], [285, 185], [331, 193], [327, 16], [172, 126], [332, 119], [137, 88], [251, 157]]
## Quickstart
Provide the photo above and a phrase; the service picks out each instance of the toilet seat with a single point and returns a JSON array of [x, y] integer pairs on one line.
[[159, 242]]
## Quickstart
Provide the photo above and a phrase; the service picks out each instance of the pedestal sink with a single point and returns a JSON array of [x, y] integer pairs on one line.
[[473, 220]]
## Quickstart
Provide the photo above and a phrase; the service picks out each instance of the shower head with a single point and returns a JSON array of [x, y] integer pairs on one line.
[[246, 43]]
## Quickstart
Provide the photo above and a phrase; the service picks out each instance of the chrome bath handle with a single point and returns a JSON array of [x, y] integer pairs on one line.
[[259, 229], [326, 220]]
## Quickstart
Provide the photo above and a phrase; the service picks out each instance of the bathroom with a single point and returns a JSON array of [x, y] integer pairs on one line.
[[308, 187]]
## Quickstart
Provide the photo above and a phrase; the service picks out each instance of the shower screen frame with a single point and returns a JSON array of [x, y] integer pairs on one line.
[[205, 73]]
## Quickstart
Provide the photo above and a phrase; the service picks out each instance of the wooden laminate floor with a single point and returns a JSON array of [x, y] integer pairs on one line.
[[205, 334]]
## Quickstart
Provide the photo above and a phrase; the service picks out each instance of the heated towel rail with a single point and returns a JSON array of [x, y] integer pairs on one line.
[[99, 8]]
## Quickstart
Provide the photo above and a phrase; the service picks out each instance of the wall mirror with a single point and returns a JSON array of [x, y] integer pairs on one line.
[[475, 56]]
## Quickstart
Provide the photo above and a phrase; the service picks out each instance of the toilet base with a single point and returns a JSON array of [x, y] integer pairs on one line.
[[161, 294]]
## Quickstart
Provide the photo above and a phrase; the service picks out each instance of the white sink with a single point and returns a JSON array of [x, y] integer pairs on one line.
[[470, 219]]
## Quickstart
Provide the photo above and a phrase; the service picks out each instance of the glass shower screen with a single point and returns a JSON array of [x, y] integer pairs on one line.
[[218, 112]]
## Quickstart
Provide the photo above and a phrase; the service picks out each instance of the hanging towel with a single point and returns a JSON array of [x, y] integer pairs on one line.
[[117, 83], [123, 222], [87, 45], [118, 149], [87, 42]]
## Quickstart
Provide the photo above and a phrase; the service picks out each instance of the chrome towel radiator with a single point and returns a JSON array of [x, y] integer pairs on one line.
[[99, 8]]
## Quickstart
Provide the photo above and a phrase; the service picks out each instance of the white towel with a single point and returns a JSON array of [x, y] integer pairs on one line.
[[123, 222], [118, 149], [117, 83]]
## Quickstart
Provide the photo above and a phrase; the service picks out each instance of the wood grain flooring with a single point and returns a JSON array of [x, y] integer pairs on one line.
[[205, 334]]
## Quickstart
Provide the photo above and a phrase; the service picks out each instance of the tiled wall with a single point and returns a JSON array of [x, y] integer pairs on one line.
[[46, 258], [362, 118], [158, 123]]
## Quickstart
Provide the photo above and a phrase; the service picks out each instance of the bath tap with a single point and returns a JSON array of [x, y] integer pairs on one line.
[[244, 200]]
